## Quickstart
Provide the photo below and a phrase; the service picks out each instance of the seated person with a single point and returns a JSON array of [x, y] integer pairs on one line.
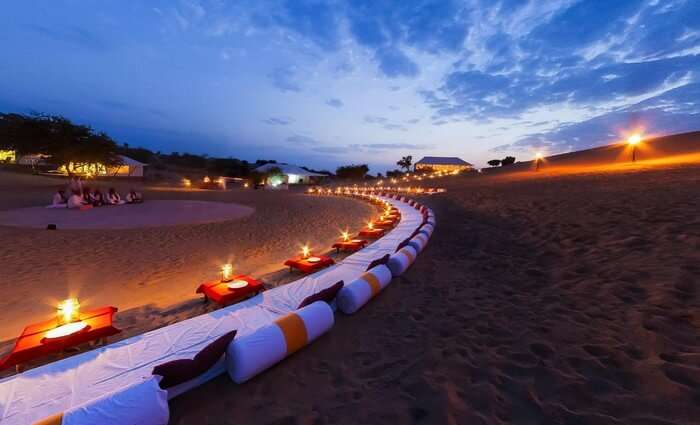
[[59, 200], [98, 198], [114, 198], [75, 201], [134, 197]]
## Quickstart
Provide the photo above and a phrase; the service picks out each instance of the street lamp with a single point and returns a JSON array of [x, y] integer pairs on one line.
[[538, 158], [633, 141]]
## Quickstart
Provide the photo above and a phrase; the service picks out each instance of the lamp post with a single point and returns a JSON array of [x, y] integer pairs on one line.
[[538, 159], [633, 141]]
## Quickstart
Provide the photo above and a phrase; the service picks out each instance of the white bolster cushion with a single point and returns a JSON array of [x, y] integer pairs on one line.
[[400, 261], [427, 229], [358, 292], [251, 354], [419, 242], [144, 403]]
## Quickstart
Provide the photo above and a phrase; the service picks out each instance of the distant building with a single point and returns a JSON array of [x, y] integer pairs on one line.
[[129, 167], [442, 163], [291, 174]]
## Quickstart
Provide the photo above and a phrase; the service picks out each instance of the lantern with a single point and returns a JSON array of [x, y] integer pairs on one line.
[[226, 272]]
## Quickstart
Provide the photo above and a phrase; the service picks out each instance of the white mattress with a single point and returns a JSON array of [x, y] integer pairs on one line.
[[58, 386]]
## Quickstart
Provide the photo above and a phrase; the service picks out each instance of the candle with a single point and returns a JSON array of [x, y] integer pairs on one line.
[[226, 272]]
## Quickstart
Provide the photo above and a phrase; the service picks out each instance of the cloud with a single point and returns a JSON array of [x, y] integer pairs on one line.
[[374, 119], [283, 79], [394, 63], [393, 146], [383, 122], [675, 111], [278, 120], [331, 149], [302, 140], [335, 103]]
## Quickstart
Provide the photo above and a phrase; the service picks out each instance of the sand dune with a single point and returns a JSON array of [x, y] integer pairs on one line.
[[678, 148], [542, 300]]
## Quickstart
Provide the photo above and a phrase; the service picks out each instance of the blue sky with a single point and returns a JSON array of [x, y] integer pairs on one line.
[[325, 83]]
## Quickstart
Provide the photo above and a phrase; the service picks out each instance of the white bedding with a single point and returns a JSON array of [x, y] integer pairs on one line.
[[58, 386]]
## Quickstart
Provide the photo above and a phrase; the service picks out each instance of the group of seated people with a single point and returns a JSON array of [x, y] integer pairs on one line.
[[82, 197]]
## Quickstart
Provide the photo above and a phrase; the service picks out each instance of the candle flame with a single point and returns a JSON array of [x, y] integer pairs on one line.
[[68, 310], [305, 251]]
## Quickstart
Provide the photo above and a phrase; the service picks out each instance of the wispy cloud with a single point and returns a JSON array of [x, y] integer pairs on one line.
[[335, 103], [278, 120]]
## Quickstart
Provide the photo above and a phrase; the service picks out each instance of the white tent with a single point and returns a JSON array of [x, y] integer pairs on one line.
[[128, 168], [293, 173]]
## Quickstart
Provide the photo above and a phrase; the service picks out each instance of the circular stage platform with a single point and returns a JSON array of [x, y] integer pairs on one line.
[[149, 214]]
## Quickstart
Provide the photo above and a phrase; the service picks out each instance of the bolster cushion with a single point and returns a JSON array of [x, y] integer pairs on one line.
[[358, 292], [249, 355], [400, 261], [419, 242]]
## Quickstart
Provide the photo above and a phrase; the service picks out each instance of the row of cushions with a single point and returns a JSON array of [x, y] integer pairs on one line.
[[176, 372]]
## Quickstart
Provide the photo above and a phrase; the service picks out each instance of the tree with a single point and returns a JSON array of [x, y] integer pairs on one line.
[[352, 171], [63, 141], [494, 162], [394, 174], [405, 162], [509, 160]]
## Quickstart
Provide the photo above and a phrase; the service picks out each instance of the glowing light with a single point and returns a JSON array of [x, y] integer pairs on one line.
[[207, 179], [65, 330], [68, 311], [186, 182], [246, 185], [305, 251], [634, 139], [346, 236], [370, 225], [539, 155], [226, 272]]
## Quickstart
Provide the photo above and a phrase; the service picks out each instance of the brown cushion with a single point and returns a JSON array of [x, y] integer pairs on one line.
[[403, 243], [176, 372], [326, 295], [378, 261]]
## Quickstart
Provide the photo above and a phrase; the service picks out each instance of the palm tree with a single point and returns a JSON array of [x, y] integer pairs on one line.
[[405, 162]]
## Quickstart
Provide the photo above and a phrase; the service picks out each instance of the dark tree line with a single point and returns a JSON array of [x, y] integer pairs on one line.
[[509, 160], [57, 137]]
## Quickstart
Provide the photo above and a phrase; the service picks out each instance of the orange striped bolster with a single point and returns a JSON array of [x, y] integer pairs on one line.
[[374, 284], [294, 332], [408, 255], [56, 419]]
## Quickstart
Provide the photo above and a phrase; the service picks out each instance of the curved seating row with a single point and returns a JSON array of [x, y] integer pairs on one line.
[[114, 384]]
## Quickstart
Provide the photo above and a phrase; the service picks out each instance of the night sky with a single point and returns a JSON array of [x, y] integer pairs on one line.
[[325, 83]]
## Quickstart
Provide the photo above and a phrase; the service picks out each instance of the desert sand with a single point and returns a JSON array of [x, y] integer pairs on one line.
[[548, 298], [151, 273]]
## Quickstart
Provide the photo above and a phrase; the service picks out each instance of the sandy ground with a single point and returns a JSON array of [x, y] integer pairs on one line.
[[541, 299], [151, 274]]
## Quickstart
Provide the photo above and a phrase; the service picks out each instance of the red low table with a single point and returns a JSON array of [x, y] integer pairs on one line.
[[351, 245], [33, 343], [372, 233], [384, 224], [306, 266], [222, 294]]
